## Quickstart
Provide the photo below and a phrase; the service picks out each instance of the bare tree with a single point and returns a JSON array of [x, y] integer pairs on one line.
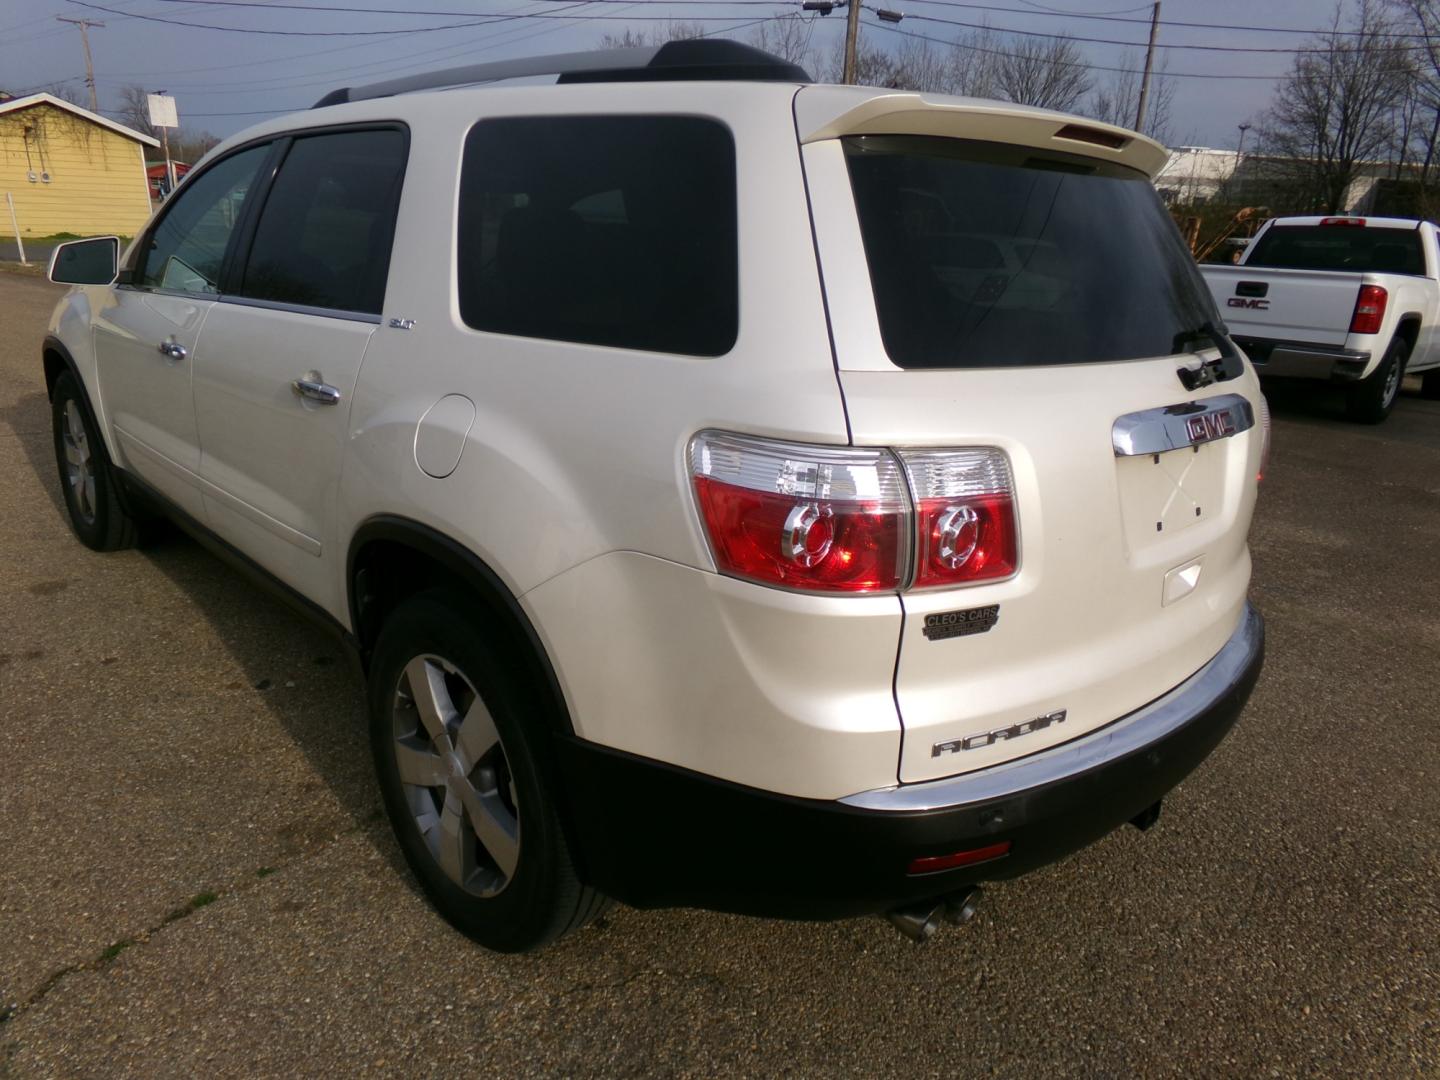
[[787, 37], [1047, 72], [1115, 98], [656, 35], [134, 110], [67, 91], [1336, 110]]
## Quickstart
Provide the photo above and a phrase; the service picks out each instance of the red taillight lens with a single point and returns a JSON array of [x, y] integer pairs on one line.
[[965, 516], [1369, 310], [805, 517]]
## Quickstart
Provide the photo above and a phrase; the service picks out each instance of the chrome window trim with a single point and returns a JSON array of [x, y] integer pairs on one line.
[[1118, 739], [1156, 431], [298, 309]]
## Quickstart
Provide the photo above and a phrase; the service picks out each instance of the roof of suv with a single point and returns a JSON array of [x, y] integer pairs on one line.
[[821, 111]]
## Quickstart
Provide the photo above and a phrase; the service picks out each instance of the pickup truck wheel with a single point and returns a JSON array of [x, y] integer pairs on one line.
[[87, 479], [462, 781], [1430, 385], [1370, 401]]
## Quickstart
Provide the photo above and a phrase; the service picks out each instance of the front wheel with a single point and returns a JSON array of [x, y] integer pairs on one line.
[[87, 479], [1370, 400], [457, 744], [1430, 385]]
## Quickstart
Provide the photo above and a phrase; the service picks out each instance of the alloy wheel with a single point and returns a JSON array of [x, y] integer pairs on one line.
[[79, 464], [456, 779]]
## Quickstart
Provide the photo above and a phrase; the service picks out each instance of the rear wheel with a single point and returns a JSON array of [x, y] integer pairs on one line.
[[457, 749], [1370, 401], [87, 479]]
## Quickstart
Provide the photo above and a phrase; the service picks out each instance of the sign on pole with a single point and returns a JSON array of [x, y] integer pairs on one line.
[[163, 116], [162, 111]]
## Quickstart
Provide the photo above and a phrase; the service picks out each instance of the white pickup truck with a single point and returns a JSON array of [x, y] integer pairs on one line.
[[1351, 300]]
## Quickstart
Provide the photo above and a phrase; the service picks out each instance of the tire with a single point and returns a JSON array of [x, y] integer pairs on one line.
[[1430, 385], [452, 747], [88, 480], [1370, 400]]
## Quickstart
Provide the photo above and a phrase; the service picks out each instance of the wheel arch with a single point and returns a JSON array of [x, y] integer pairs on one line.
[[1408, 329], [58, 360], [392, 557]]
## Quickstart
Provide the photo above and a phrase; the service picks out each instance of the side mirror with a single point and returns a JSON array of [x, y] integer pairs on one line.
[[86, 262]]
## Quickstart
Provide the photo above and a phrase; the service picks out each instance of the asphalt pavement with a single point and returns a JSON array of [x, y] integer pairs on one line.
[[195, 876]]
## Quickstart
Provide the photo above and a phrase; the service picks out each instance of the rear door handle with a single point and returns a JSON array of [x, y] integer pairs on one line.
[[173, 349], [311, 387]]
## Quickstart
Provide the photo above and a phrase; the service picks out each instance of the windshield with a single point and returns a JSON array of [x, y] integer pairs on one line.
[[988, 255], [1356, 248]]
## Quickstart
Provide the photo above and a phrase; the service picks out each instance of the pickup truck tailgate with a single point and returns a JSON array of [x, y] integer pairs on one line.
[[1285, 305]]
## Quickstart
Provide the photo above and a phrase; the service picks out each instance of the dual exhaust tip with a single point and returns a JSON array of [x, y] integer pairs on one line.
[[918, 922]]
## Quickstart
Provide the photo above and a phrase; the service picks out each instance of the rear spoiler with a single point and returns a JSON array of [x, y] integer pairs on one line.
[[829, 112]]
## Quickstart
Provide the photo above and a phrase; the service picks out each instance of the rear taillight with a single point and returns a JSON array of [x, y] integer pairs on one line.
[[1264, 438], [843, 519], [1369, 310], [965, 516], [816, 518]]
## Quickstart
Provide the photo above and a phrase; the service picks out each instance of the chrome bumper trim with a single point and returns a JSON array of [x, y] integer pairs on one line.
[[1118, 739]]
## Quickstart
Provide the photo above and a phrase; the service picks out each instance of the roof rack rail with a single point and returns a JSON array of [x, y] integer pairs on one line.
[[675, 61]]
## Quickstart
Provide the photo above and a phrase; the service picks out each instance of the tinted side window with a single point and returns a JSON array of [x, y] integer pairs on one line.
[[606, 230], [326, 227], [188, 245]]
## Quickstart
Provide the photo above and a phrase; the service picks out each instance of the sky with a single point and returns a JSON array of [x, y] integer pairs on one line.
[[223, 81]]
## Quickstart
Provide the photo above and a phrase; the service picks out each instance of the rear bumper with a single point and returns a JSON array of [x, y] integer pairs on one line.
[[1298, 360], [653, 835]]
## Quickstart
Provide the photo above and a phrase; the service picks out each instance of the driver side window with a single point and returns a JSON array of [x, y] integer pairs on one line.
[[187, 248]]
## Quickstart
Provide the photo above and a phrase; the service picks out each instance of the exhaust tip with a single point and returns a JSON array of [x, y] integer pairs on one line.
[[918, 922]]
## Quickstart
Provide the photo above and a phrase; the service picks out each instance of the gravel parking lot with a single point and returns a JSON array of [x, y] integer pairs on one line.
[[195, 876]]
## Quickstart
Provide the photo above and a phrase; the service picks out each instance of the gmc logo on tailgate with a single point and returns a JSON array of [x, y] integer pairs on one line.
[[1209, 426], [1244, 302]]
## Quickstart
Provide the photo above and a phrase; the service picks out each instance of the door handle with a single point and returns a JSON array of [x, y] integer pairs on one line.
[[173, 349], [311, 387]]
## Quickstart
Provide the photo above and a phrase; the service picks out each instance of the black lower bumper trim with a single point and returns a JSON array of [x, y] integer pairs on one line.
[[652, 835]]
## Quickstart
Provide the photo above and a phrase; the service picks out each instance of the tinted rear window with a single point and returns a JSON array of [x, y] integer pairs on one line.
[[1339, 247], [985, 255], [606, 230]]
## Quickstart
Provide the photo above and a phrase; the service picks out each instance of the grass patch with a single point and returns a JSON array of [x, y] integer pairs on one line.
[[112, 951], [203, 899], [265, 871]]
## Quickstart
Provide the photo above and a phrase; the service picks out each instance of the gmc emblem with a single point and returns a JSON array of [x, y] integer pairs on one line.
[[1257, 305], [1207, 427]]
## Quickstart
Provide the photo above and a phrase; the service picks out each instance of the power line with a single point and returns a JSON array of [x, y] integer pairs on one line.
[[1069, 63]]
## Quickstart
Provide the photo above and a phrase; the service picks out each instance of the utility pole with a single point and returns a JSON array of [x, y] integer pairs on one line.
[[84, 25], [1149, 63], [852, 40]]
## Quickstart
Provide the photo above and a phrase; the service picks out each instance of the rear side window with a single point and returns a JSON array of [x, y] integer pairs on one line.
[[605, 230], [326, 227], [1339, 247], [986, 255]]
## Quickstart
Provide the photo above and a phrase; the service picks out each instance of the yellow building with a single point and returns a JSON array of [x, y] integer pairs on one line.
[[70, 170]]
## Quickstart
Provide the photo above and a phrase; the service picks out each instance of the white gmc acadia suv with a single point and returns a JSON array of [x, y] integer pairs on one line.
[[785, 499]]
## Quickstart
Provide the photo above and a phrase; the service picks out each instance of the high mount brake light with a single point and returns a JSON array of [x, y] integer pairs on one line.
[[843, 519], [1369, 310], [1353, 222]]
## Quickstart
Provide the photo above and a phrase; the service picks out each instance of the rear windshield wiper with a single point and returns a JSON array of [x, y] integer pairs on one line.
[[1227, 365]]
